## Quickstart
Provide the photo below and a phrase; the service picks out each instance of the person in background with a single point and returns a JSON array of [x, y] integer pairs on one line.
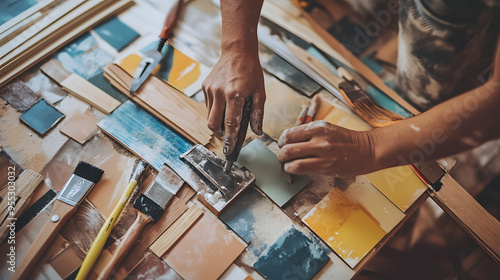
[[445, 47]]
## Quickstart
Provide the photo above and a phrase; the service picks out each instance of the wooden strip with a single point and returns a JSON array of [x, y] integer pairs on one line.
[[158, 98], [40, 51], [471, 216], [54, 70], [86, 91], [24, 15], [176, 231], [24, 187], [357, 64]]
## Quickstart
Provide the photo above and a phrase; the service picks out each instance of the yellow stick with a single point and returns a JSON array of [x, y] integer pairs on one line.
[[103, 234]]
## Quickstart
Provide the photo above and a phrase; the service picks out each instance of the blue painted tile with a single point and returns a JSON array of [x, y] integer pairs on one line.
[[41, 117], [116, 33], [292, 256]]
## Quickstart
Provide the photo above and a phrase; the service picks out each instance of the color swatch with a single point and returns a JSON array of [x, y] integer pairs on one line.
[[400, 184], [346, 227], [265, 166], [116, 33], [41, 117], [80, 127], [19, 95], [205, 251], [292, 256], [175, 68]]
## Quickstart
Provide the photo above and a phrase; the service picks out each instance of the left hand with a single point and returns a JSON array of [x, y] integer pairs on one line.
[[323, 148]]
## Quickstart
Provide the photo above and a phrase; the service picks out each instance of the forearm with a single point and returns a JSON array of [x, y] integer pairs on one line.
[[239, 25], [456, 125]]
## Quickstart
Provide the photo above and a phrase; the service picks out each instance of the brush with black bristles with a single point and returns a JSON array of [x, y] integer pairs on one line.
[[67, 201]]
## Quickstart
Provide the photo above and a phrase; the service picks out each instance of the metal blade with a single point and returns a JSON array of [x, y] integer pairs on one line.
[[146, 67]]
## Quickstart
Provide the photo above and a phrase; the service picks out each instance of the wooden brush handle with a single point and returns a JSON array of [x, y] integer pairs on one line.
[[44, 238], [126, 243]]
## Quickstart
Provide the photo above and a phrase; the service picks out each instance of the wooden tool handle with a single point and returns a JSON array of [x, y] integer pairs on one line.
[[126, 243], [60, 213], [170, 20]]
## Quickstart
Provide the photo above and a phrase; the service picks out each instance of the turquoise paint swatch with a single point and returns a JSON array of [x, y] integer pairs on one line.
[[292, 256], [116, 33], [41, 117]]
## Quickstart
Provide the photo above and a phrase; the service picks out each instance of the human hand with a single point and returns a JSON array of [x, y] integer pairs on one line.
[[323, 148], [235, 78]]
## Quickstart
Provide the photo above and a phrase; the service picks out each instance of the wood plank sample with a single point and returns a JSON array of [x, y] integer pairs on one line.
[[67, 261], [41, 117], [54, 70], [91, 94], [345, 226], [116, 33], [265, 166], [205, 251], [175, 109], [400, 184], [19, 96], [7, 165], [293, 255], [80, 127], [151, 267], [176, 231]]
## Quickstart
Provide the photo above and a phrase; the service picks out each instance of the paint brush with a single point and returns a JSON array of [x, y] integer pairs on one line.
[[67, 201], [311, 111], [103, 234], [150, 205]]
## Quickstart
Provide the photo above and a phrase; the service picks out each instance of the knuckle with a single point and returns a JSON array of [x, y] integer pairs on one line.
[[231, 123]]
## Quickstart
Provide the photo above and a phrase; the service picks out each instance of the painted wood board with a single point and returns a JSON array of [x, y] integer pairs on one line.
[[176, 231], [265, 166], [282, 107], [116, 33], [205, 251], [400, 184], [118, 165], [11, 9], [345, 226], [80, 127], [45, 86], [183, 114], [19, 96], [67, 261], [41, 117], [151, 267], [88, 92], [292, 255]]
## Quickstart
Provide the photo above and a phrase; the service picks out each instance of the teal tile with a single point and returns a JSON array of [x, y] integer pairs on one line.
[[41, 117]]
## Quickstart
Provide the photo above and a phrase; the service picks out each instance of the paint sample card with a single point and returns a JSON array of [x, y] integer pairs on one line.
[[291, 76], [345, 226], [400, 184], [205, 251], [282, 107], [80, 127], [175, 68], [116, 33], [265, 166], [250, 216], [19, 95], [41, 117], [293, 255]]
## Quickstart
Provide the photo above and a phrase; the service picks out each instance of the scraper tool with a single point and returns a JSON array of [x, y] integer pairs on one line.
[[153, 57]]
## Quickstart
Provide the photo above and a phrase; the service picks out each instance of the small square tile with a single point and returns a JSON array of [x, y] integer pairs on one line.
[[41, 117]]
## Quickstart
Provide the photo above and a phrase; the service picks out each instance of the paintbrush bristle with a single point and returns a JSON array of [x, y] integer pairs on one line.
[[88, 172]]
